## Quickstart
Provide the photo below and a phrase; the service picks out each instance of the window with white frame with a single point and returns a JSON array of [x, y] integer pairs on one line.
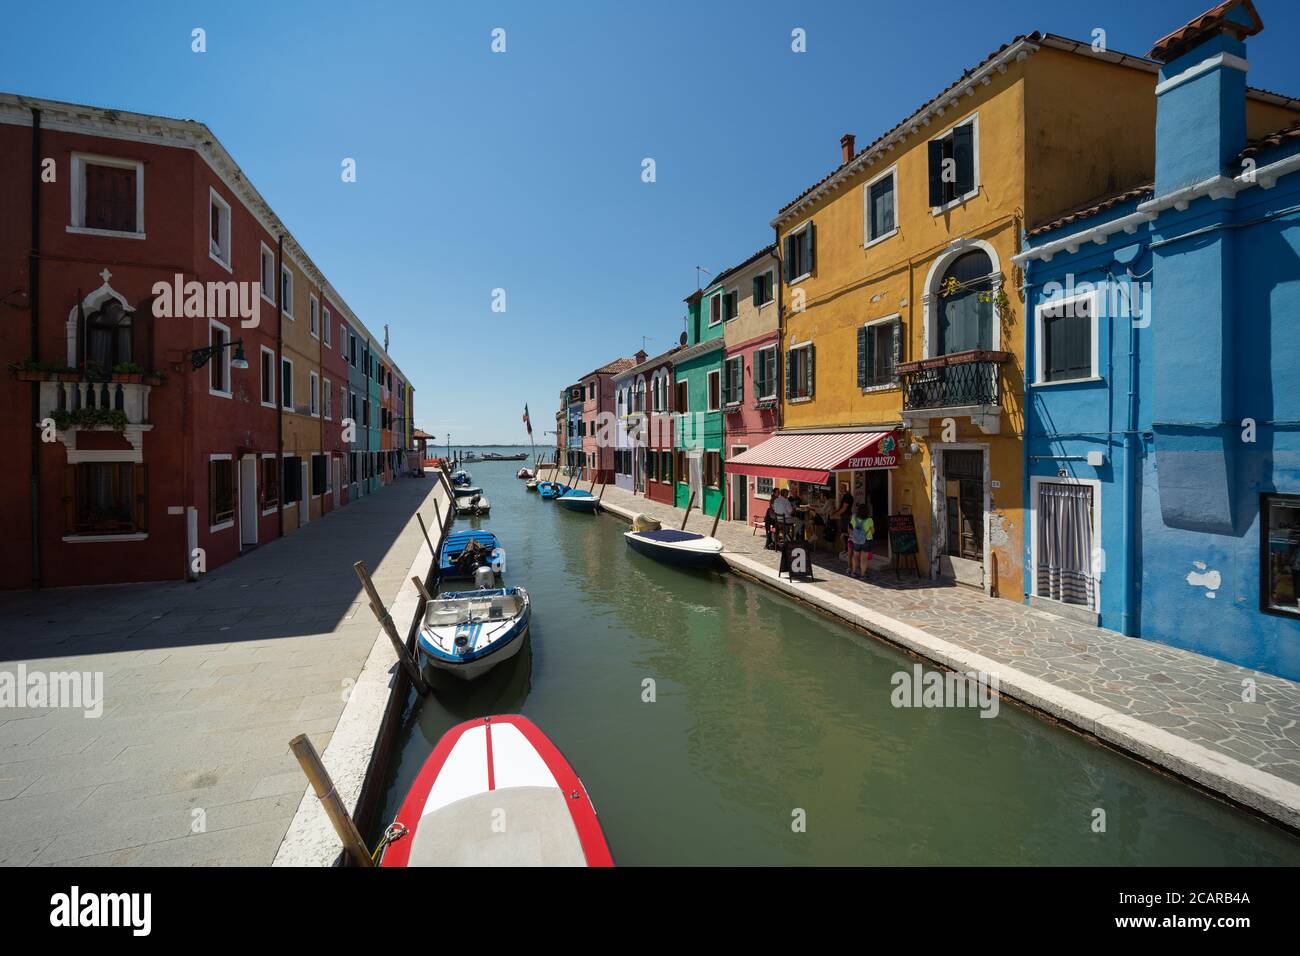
[[879, 351], [713, 384], [954, 166], [313, 385], [328, 393], [268, 377], [1067, 339], [800, 252], [733, 380], [286, 382], [218, 228], [107, 196], [221, 492], [881, 212], [763, 288], [313, 316], [325, 323], [765, 373], [286, 291], [219, 361], [763, 487], [799, 362], [268, 274]]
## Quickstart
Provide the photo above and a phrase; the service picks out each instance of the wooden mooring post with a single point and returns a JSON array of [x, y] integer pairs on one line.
[[690, 503], [330, 800], [713, 532], [427, 539], [386, 621]]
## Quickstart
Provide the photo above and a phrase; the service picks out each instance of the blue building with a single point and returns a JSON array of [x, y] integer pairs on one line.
[[574, 429], [1163, 373]]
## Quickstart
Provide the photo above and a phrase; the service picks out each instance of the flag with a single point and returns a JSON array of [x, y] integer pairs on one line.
[[526, 421]]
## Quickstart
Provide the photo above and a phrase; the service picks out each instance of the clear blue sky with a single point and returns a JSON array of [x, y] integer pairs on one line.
[[522, 170]]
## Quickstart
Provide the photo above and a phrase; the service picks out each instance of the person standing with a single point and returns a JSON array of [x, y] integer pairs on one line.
[[862, 531]]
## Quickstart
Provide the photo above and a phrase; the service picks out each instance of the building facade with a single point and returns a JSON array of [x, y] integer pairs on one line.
[[697, 404]]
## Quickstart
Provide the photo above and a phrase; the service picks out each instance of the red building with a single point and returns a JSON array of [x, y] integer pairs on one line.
[[657, 376]]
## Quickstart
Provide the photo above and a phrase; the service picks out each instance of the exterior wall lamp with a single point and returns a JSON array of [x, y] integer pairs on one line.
[[199, 357]]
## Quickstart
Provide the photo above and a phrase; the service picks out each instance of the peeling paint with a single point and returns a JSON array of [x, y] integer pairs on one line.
[[1211, 580], [998, 531]]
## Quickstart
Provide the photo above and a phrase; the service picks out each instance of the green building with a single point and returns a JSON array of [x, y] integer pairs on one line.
[[697, 402]]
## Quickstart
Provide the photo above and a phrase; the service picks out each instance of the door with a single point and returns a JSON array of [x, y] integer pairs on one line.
[[247, 501], [695, 471], [338, 476], [640, 470], [304, 497], [1064, 561], [962, 555], [739, 490]]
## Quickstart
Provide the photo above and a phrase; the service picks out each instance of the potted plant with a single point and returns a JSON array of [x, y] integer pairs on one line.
[[127, 372], [28, 370]]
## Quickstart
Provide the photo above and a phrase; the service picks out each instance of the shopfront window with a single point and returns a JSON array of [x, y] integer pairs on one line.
[[1280, 557]]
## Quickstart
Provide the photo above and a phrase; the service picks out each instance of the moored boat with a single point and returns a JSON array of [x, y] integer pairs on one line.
[[552, 489], [467, 633], [464, 552], [479, 771], [466, 491], [685, 549], [475, 504], [524, 473], [460, 477], [531, 484], [578, 500]]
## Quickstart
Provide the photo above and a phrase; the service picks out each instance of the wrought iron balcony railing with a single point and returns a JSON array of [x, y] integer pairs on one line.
[[952, 381]]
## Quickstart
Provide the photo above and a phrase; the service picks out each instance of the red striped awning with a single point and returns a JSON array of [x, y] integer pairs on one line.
[[813, 457]]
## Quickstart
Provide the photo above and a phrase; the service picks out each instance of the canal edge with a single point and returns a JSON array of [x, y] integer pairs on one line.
[[1254, 790]]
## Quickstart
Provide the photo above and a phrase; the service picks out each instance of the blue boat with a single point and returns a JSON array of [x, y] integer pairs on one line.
[[578, 500], [484, 551], [552, 489], [467, 633], [460, 477], [685, 549]]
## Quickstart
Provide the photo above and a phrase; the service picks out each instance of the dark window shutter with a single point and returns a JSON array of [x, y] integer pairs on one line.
[[810, 246], [812, 365], [963, 152], [70, 499], [140, 487], [789, 257], [898, 349], [936, 172], [863, 344], [789, 374], [740, 379]]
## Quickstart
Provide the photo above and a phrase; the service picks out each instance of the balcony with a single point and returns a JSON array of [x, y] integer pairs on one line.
[[961, 384], [86, 405]]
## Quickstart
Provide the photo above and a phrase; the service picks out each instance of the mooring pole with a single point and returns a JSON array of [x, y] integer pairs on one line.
[[386, 620], [330, 800], [713, 533], [425, 530], [690, 503]]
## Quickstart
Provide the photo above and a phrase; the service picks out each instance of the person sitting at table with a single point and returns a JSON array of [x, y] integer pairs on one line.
[[783, 510], [769, 525]]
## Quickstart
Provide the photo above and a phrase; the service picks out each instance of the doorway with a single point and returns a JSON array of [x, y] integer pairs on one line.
[[739, 490], [337, 476], [248, 502], [304, 495], [963, 492]]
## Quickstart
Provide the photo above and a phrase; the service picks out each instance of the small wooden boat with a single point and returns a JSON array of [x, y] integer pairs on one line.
[[524, 473], [472, 505], [685, 549], [467, 633], [466, 491], [578, 500], [482, 772], [465, 552]]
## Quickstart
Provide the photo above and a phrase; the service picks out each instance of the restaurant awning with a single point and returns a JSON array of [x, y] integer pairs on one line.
[[813, 457]]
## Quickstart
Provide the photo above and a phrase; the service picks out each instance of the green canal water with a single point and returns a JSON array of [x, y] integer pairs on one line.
[[764, 708]]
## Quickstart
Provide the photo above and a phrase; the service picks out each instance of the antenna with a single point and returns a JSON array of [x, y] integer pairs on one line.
[[698, 270]]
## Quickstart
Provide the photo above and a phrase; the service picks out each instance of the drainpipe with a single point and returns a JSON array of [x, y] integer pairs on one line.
[[780, 326], [1130, 610], [279, 376], [34, 303]]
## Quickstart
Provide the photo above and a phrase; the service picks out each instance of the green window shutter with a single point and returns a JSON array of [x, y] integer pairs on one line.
[[863, 345], [812, 365], [789, 257], [963, 153], [898, 349], [810, 245], [740, 379], [936, 172], [756, 295], [789, 374]]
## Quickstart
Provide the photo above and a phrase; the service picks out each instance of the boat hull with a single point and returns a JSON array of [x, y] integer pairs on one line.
[[681, 557], [580, 503], [476, 668]]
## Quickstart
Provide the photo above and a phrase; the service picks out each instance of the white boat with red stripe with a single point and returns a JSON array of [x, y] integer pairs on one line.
[[496, 792]]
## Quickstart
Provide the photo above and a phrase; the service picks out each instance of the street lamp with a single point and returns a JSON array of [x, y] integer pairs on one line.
[[199, 357]]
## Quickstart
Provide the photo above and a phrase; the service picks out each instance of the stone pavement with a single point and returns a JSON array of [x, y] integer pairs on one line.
[[204, 685], [1151, 687]]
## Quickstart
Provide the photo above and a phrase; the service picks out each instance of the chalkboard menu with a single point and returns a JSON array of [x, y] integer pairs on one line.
[[902, 535]]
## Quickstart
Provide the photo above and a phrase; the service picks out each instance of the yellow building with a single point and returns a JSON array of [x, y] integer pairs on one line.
[[305, 468], [901, 309]]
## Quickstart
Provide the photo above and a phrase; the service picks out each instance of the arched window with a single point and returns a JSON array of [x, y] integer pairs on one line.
[[108, 336], [964, 321]]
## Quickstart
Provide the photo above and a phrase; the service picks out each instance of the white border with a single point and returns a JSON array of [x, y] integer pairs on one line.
[[867, 241], [1032, 529], [1094, 298], [78, 186]]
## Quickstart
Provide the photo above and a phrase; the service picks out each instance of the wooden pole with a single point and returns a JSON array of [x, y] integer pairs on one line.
[[330, 800], [717, 517], [377, 607], [425, 530], [690, 502], [419, 586], [602, 492]]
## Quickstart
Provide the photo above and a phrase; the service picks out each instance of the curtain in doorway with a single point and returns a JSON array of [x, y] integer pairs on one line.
[[1065, 544]]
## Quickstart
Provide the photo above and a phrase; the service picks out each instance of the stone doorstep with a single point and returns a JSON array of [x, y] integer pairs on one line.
[[1256, 789]]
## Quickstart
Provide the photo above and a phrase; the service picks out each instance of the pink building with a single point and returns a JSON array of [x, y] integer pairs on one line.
[[598, 443]]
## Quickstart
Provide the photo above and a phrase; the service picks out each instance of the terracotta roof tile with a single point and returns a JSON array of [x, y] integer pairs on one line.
[[767, 249], [1264, 143], [1092, 207], [1211, 21]]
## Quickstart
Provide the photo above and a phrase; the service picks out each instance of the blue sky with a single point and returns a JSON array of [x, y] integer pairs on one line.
[[522, 170]]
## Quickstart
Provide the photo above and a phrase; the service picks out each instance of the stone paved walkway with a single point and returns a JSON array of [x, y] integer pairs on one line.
[[1196, 698], [204, 685]]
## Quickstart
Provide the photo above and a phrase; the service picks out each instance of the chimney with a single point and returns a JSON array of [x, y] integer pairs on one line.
[[640, 356], [1201, 95], [846, 147]]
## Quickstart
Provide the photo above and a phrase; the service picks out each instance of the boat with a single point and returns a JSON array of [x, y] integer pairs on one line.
[[482, 772], [552, 489], [466, 491], [578, 500], [685, 549], [493, 456], [464, 552], [531, 484], [524, 473], [472, 505], [460, 477], [467, 633]]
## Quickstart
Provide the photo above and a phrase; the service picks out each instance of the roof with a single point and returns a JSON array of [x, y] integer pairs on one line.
[[1092, 207], [1237, 17], [1019, 48], [1272, 140], [613, 368], [657, 360], [769, 249], [420, 433]]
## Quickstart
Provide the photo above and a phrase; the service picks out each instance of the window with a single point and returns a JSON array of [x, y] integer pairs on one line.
[[270, 483], [218, 228], [730, 305], [713, 384], [683, 393], [319, 475], [352, 349], [666, 461], [105, 498], [879, 344], [268, 274], [292, 480], [107, 195], [313, 319], [1279, 563], [679, 465], [733, 380], [343, 400], [763, 487], [952, 165], [219, 362], [221, 492], [352, 406], [328, 392], [286, 382], [1067, 339], [715, 309], [713, 469], [765, 373], [652, 466], [799, 253], [268, 377], [763, 288], [365, 412], [313, 397], [965, 306], [325, 324], [799, 363], [108, 335], [881, 217], [286, 290]]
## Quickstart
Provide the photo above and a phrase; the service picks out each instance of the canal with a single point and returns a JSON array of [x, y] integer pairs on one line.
[[766, 712]]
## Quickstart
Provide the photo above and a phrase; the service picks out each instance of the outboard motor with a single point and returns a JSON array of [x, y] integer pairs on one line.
[[498, 561], [483, 577]]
